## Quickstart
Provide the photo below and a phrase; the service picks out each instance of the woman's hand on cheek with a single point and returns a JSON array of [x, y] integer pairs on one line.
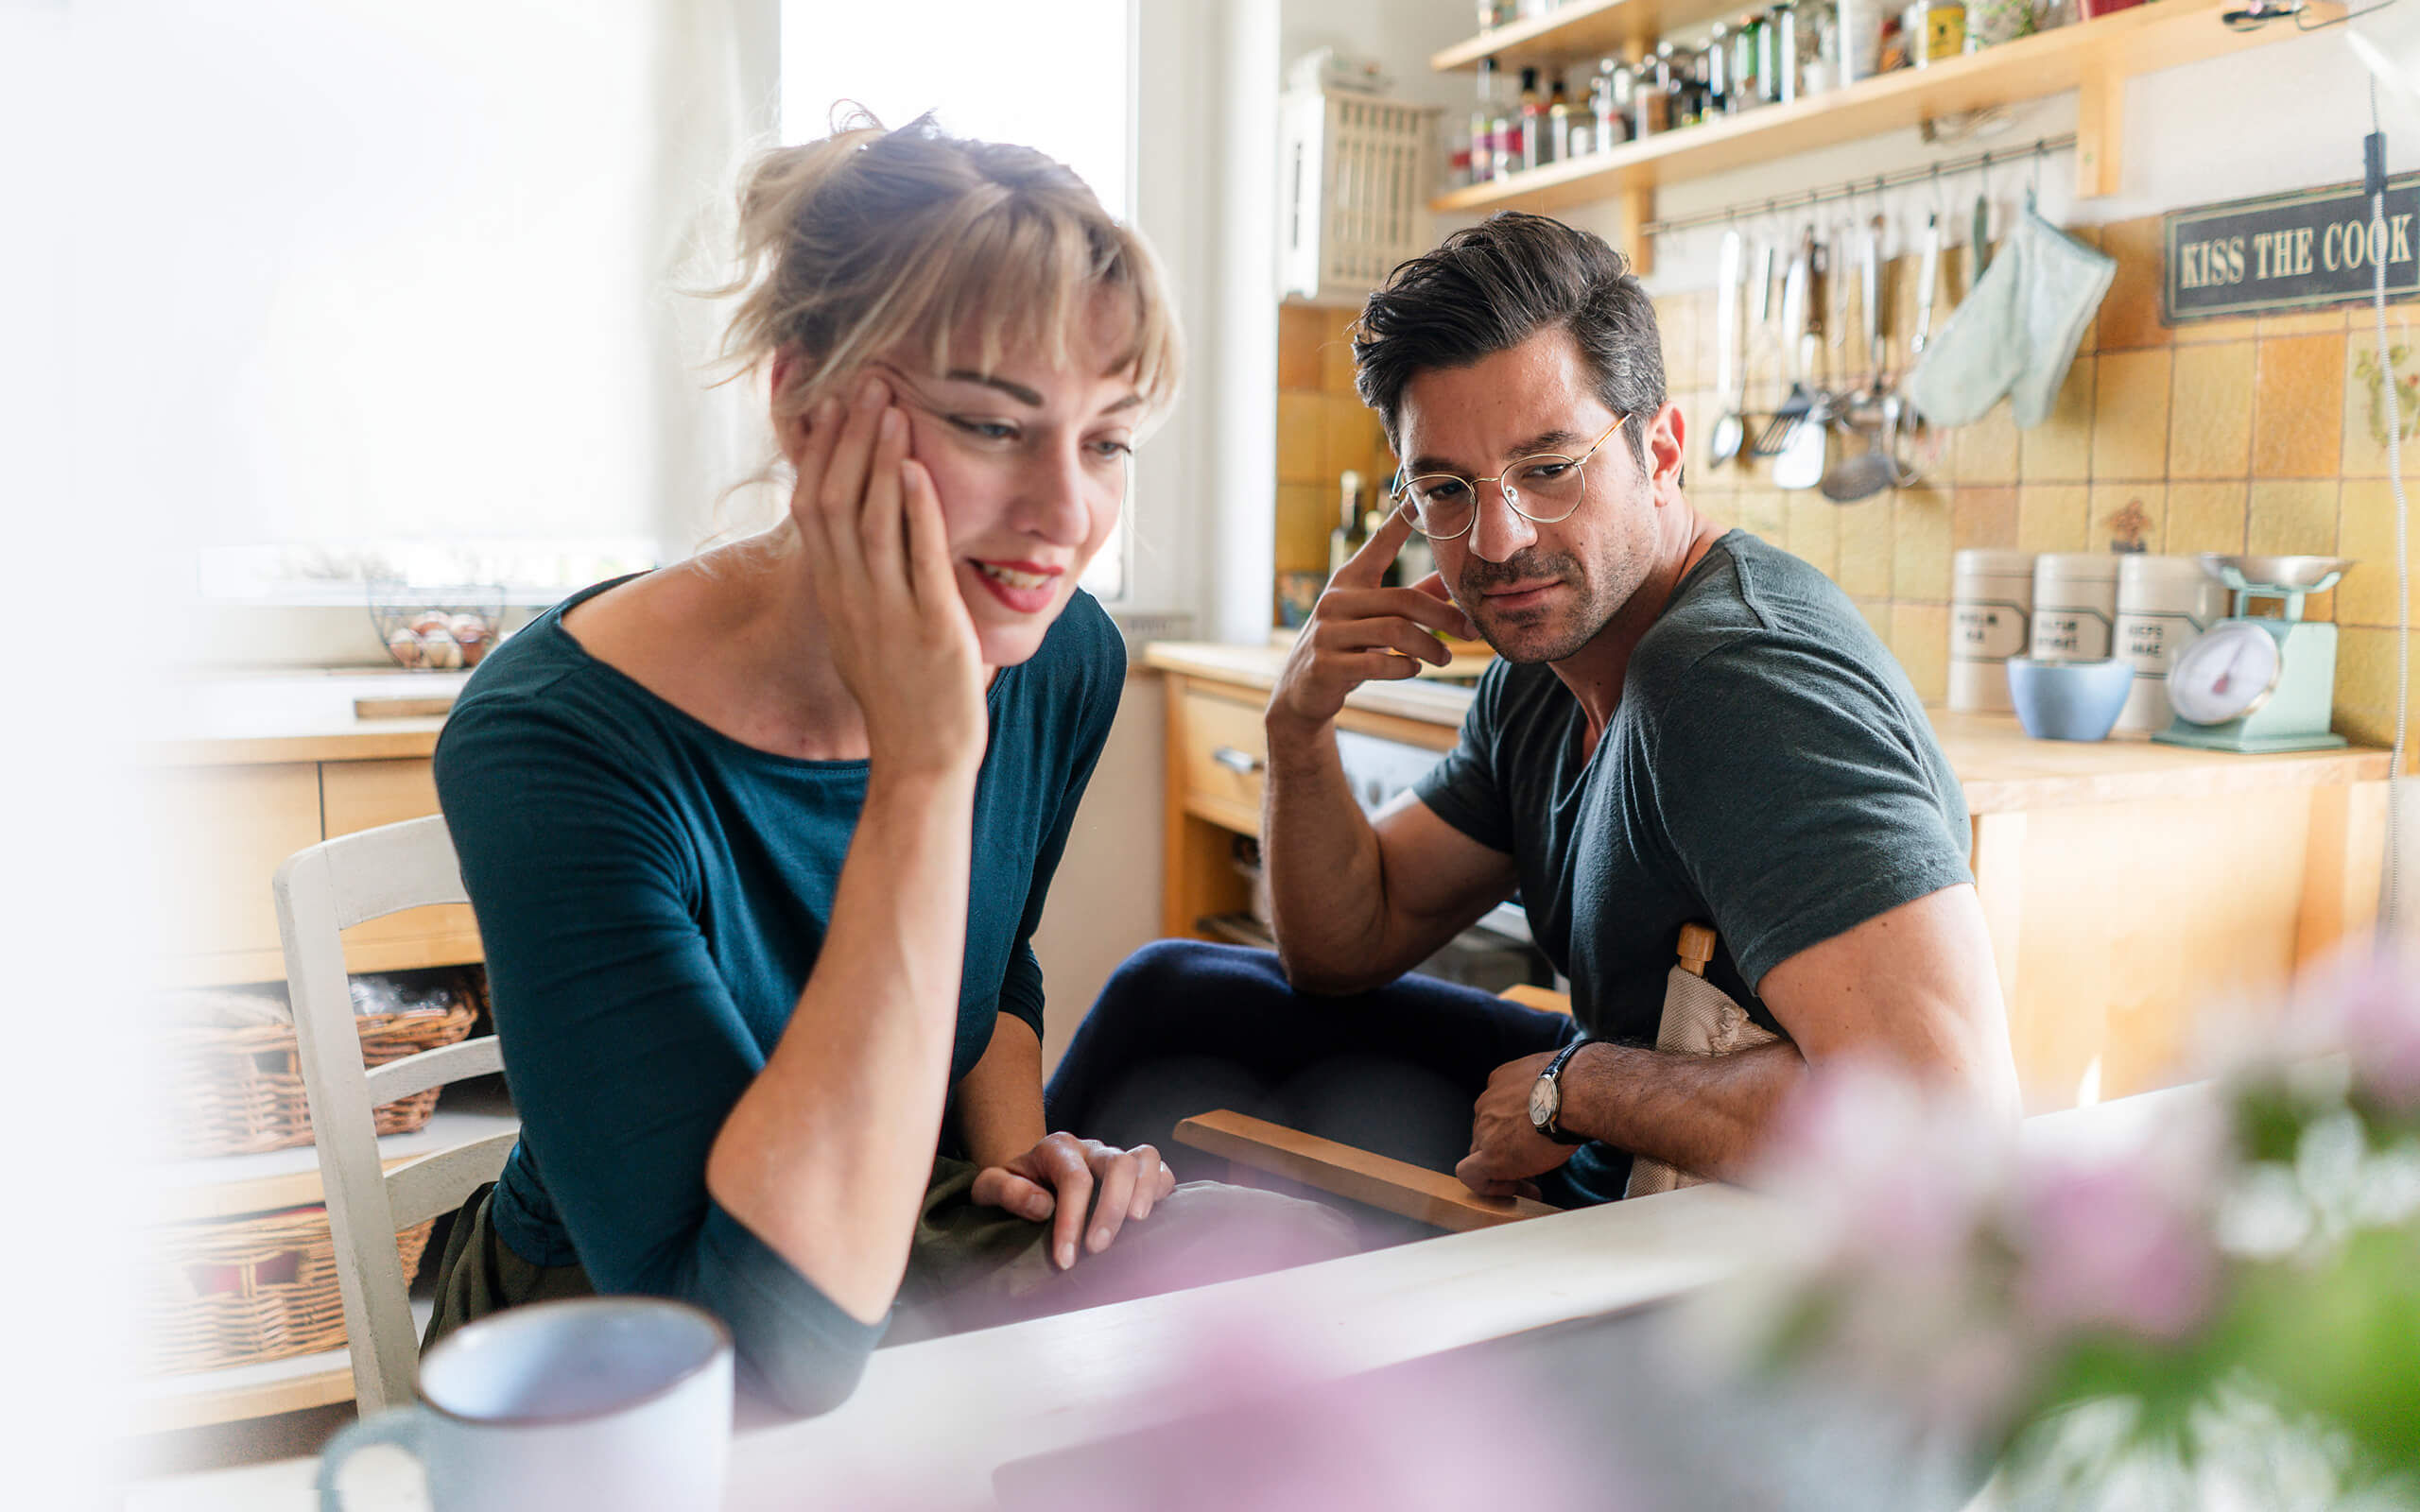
[[1056, 1181], [879, 555]]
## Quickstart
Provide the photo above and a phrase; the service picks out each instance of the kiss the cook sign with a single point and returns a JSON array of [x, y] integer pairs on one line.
[[2291, 251]]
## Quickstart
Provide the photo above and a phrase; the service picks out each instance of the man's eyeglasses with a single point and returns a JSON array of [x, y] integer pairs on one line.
[[1544, 489]]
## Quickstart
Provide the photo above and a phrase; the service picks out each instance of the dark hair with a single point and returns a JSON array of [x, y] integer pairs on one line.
[[1493, 285]]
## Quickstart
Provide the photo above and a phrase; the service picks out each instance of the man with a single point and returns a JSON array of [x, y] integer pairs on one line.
[[1682, 723]]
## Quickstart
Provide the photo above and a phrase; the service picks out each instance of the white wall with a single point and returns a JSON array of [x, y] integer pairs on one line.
[[1105, 904]]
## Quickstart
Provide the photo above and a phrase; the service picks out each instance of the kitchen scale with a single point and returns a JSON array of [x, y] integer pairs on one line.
[[2259, 683]]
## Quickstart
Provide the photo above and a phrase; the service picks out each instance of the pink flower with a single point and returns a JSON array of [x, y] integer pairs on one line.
[[2376, 1019], [2114, 1246]]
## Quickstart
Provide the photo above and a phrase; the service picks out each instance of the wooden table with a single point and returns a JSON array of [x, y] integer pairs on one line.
[[2129, 885]]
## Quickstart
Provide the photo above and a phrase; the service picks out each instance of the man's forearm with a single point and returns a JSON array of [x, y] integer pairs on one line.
[[1326, 885], [1705, 1114]]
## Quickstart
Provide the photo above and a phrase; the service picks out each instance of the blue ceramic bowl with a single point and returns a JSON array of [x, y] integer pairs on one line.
[[2068, 700]]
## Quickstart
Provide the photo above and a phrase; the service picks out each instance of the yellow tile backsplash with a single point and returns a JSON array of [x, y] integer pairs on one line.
[[2053, 517], [2261, 435], [2298, 407], [2210, 427], [2130, 414], [2206, 516]]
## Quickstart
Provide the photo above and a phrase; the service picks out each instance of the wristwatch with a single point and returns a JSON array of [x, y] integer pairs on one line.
[[1545, 1098]]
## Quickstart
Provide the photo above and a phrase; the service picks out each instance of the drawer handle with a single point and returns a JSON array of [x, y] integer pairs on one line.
[[1241, 763]]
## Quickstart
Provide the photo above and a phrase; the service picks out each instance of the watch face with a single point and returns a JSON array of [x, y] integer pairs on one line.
[[1545, 1102]]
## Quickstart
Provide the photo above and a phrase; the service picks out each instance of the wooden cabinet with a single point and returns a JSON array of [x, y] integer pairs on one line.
[[362, 795], [221, 832], [2130, 888]]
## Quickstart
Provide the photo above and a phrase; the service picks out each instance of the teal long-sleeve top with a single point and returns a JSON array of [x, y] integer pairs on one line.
[[651, 895]]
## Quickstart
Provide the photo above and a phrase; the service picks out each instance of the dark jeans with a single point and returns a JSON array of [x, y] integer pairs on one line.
[[1184, 1028]]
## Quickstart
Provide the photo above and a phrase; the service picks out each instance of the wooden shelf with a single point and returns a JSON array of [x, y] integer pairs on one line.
[[2096, 57], [1584, 28], [225, 1185]]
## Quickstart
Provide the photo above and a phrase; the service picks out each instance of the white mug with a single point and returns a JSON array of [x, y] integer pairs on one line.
[[602, 1403], [2162, 603]]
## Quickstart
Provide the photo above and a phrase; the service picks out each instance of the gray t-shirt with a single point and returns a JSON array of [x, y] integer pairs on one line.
[[1769, 771]]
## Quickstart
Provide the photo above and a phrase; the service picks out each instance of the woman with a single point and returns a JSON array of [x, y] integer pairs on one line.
[[758, 842]]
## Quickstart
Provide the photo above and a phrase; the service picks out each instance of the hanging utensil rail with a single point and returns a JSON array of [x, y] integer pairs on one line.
[[1780, 204]]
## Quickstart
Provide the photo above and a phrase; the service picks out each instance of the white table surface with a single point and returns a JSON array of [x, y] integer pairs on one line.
[[1060, 1381]]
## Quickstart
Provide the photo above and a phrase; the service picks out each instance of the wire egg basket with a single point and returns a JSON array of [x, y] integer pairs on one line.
[[437, 629]]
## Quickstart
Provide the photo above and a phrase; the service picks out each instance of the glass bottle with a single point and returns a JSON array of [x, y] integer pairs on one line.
[[1534, 147], [1718, 72], [1652, 92], [1559, 119], [1610, 99], [1745, 95], [1350, 535], [1483, 124], [1784, 54]]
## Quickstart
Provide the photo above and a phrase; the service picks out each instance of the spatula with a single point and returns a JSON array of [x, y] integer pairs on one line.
[[1796, 311]]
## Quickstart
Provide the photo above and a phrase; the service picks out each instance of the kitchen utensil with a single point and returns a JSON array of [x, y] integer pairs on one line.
[[1870, 471], [1928, 279], [1799, 464], [1870, 287], [1730, 428], [1796, 311], [2068, 700], [2259, 683], [1983, 242], [1922, 443]]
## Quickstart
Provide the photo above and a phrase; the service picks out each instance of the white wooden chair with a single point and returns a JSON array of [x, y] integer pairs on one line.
[[320, 891]]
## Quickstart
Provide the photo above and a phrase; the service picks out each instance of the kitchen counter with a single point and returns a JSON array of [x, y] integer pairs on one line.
[[2128, 886], [246, 718], [2002, 768]]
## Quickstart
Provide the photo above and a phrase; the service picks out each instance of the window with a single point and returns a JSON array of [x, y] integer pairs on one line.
[[1057, 77]]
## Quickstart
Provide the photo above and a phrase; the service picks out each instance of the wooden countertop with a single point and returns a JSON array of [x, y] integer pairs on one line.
[[247, 718], [2001, 767]]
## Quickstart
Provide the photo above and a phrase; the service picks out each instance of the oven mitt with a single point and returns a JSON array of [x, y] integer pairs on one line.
[[2017, 333]]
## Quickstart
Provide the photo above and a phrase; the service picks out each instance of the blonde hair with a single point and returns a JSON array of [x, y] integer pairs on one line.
[[872, 241]]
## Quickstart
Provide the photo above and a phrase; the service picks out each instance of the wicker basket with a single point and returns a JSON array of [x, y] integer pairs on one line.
[[246, 1290], [232, 1091]]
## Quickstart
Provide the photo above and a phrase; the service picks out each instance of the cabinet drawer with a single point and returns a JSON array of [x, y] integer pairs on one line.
[[362, 795], [1225, 759]]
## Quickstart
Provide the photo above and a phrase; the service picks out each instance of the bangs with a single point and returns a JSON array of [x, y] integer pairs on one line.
[[1013, 279]]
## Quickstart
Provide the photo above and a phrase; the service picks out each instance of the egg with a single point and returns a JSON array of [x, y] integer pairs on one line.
[[469, 631], [431, 619], [406, 648], [441, 650]]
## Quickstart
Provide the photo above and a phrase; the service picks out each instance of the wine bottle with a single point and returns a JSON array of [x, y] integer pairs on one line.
[[1350, 534]]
